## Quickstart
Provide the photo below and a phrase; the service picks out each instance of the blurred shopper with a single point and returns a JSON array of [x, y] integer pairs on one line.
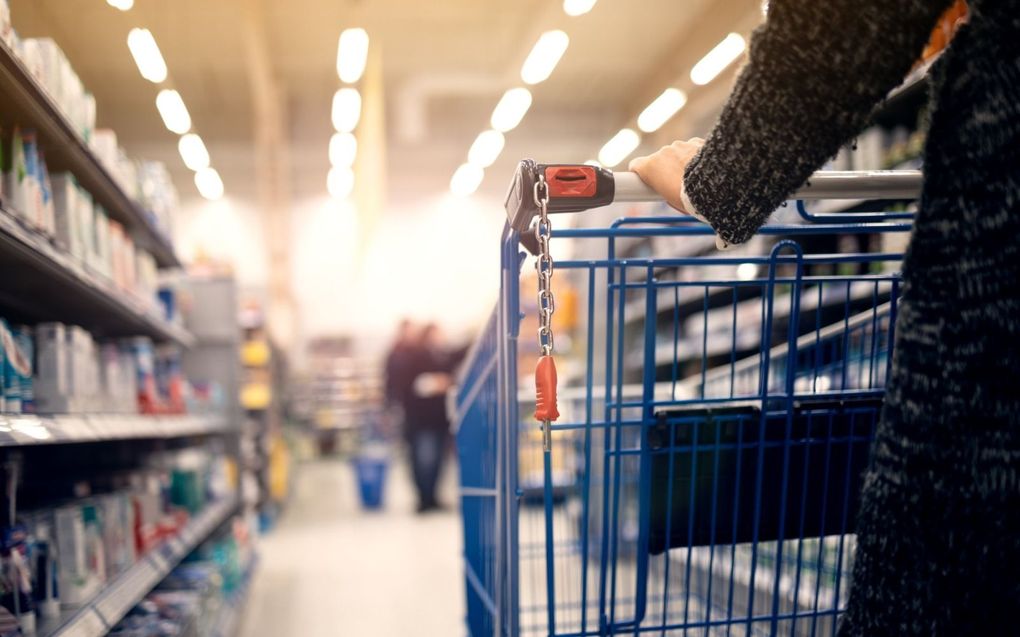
[[428, 428], [938, 534], [398, 372]]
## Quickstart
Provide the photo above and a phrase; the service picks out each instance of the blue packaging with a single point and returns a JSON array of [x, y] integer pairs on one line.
[[17, 366], [25, 342]]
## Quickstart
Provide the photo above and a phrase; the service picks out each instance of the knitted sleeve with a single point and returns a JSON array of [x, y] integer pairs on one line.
[[816, 72]]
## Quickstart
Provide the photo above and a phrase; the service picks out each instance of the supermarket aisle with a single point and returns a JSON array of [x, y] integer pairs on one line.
[[332, 570]]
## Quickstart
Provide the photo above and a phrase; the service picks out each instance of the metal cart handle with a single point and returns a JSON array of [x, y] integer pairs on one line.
[[574, 188]]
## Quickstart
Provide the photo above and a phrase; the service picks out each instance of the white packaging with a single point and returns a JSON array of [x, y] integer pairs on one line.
[[53, 375], [76, 583], [101, 255], [5, 24], [66, 213], [86, 226], [117, 516]]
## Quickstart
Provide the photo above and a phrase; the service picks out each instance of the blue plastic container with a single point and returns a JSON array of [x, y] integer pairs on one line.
[[371, 474]]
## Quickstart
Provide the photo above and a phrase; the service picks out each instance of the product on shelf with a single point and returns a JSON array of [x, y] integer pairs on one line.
[[47, 62], [17, 369], [6, 33]]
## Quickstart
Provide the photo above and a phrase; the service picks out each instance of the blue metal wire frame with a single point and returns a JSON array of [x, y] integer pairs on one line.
[[703, 477]]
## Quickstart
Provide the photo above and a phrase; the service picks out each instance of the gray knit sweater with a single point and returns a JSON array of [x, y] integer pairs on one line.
[[939, 527]]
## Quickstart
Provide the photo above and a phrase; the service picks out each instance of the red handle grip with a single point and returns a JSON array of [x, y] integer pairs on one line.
[[545, 390]]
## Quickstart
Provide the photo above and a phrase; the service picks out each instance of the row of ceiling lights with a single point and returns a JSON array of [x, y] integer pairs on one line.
[[669, 103], [514, 104], [171, 107], [351, 59]]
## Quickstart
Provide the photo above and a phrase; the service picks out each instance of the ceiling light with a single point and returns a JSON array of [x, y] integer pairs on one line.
[[511, 109], [343, 148], [578, 7], [486, 148], [123, 5], [466, 180], [346, 110], [659, 111], [193, 152], [146, 53], [544, 57], [209, 184], [352, 54], [340, 182], [617, 148], [173, 111], [716, 61]]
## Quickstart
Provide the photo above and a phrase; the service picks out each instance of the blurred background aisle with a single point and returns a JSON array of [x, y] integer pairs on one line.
[[383, 574]]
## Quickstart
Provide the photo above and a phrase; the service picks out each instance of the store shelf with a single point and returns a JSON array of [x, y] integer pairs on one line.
[[26, 103], [43, 283], [110, 605], [228, 619], [32, 430]]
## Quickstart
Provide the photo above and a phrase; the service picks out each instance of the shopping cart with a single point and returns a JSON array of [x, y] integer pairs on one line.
[[703, 477]]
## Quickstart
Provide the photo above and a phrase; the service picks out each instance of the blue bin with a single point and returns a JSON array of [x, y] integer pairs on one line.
[[371, 474]]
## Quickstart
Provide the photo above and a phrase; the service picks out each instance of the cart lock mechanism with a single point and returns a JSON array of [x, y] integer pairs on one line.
[[538, 190]]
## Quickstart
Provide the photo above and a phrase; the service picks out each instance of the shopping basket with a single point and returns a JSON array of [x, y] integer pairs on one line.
[[703, 475]]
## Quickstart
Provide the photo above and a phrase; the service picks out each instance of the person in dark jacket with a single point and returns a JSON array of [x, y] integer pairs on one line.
[[428, 428], [938, 550], [397, 373]]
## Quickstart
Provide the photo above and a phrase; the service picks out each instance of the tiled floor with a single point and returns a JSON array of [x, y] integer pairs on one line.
[[330, 569]]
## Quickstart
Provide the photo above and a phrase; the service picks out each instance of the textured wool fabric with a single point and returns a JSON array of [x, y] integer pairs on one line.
[[938, 550]]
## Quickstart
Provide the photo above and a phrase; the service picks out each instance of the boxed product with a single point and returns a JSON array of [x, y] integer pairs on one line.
[[76, 581], [67, 215], [16, 176], [118, 523], [24, 341], [49, 64], [145, 370], [53, 373], [101, 232], [46, 217], [17, 369], [118, 378], [32, 210], [6, 33]]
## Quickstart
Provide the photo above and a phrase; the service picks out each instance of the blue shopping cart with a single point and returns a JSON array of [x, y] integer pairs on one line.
[[702, 476]]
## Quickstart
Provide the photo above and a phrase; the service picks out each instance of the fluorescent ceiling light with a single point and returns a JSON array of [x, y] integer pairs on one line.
[[511, 109], [578, 7], [352, 54], [173, 111], [123, 5], [147, 57], [193, 152], [544, 56], [661, 109], [486, 149], [209, 184], [466, 180], [716, 61], [346, 110], [343, 148], [340, 182], [617, 148]]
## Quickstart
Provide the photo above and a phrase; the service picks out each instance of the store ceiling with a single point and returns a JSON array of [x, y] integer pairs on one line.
[[445, 63]]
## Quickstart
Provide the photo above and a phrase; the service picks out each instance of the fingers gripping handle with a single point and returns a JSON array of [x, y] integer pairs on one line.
[[545, 397]]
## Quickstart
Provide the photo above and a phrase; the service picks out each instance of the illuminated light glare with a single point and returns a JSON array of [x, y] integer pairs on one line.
[[343, 148], [544, 56], [747, 271], [617, 148], [486, 149], [716, 60], [466, 180], [511, 109], [593, 162], [147, 57], [123, 5], [575, 8], [193, 152], [661, 110], [173, 111], [346, 110], [209, 184], [351, 55], [340, 182]]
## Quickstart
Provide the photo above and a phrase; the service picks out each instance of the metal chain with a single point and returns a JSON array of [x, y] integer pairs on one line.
[[544, 266]]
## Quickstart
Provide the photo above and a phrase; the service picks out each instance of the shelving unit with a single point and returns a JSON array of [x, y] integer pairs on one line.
[[110, 605], [27, 103], [32, 430], [43, 283]]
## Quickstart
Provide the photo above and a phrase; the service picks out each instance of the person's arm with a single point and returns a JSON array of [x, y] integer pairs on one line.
[[816, 71]]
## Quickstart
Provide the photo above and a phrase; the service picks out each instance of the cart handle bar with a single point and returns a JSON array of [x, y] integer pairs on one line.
[[579, 187]]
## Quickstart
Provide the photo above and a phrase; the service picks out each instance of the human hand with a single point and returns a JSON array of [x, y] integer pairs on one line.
[[664, 169]]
